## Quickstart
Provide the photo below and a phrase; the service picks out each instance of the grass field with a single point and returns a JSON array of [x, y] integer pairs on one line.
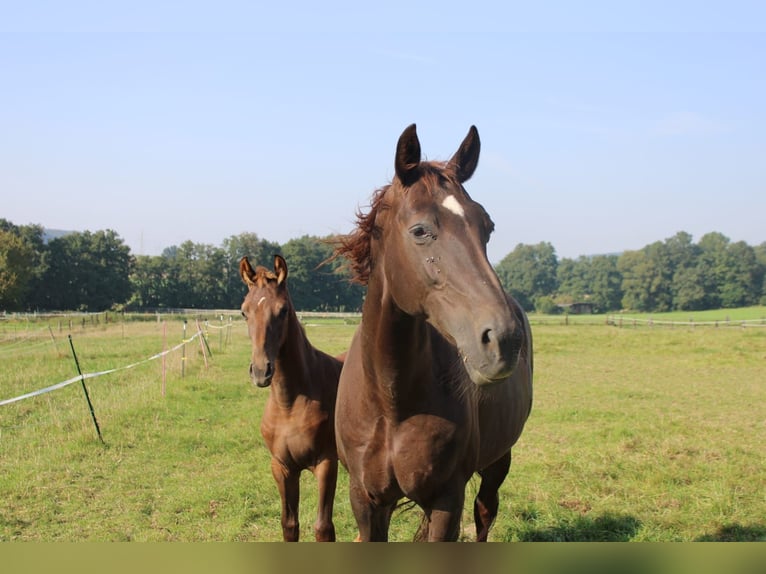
[[636, 434]]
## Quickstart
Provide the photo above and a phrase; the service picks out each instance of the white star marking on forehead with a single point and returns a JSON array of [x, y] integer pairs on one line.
[[261, 300], [452, 204]]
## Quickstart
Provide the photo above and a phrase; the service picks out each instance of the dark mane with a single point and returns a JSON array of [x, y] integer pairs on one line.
[[356, 246]]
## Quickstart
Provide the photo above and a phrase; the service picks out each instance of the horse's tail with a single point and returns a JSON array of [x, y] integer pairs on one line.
[[421, 534]]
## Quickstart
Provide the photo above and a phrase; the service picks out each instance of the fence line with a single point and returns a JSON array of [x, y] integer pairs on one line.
[[8, 339], [620, 321], [63, 384], [12, 350]]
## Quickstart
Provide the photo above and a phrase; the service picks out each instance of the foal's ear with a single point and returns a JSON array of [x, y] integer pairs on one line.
[[466, 158], [280, 268], [408, 156], [246, 271]]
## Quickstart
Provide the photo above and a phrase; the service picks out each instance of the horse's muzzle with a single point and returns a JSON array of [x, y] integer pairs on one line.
[[261, 377], [495, 358]]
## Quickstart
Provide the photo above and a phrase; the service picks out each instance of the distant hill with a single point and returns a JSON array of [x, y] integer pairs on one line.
[[49, 234]]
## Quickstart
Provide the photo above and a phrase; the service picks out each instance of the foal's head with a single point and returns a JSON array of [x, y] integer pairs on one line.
[[266, 309], [425, 239]]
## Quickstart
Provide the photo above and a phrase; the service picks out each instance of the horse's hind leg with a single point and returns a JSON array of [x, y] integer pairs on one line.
[[487, 500], [326, 473], [288, 483]]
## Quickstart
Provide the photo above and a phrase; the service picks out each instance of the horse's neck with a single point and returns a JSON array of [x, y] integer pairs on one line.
[[396, 346], [292, 369]]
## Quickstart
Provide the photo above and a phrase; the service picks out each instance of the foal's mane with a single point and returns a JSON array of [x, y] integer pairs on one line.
[[263, 275], [357, 245]]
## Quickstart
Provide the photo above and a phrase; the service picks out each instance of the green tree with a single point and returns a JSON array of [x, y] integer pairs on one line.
[[87, 271], [189, 270], [647, 278], [314, 285], [33, 238], [760, 257], [573, 278], [741, 279], [16, 271], [730, 271], [638, 276], [594, 279], [689, 289], [605, 283], [150, 282], [529, 272], [711, 265]]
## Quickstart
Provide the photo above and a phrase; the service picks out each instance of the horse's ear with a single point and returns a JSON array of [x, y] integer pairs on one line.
[[246, 271], [280, 268], [408, 156], [466, 158]]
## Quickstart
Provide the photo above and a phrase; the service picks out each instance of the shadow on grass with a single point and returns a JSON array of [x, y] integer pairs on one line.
[[736, 533], [604, 528]]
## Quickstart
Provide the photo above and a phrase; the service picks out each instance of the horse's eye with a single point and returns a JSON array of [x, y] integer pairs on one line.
[[243, 314], [421, 233]]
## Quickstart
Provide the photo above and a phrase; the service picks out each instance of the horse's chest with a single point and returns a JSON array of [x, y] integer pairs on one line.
[[426, 451], [298, 435]]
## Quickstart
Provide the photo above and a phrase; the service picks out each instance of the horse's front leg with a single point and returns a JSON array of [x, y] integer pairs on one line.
[[371, 519], [326, 473], [487, 500], [444, 515], [288, 483]]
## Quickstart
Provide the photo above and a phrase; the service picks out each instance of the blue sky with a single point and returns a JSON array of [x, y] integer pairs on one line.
[[605, 126]]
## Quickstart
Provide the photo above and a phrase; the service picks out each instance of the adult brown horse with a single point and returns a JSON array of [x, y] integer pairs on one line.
[[437, 382], [297, 423]]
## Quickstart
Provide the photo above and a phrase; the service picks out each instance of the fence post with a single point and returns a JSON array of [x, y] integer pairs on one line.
[[183, 352], [202, 342], [164, 351], [55, 346], [85, 390]]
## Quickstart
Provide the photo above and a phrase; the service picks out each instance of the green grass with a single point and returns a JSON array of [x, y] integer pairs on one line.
[[645, 434]]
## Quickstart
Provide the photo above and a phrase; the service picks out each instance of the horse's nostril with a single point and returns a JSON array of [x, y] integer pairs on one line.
[[486, 337], [269, 370]]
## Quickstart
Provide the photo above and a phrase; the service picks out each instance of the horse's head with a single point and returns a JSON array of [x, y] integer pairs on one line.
[[265, 308], [429, 242]]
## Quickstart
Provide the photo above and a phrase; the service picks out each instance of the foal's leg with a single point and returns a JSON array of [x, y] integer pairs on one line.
[[288, 483], [326, 473], [487, 500]]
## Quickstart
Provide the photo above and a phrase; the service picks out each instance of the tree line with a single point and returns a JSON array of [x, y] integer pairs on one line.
[[671, 275], [96, 271]]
